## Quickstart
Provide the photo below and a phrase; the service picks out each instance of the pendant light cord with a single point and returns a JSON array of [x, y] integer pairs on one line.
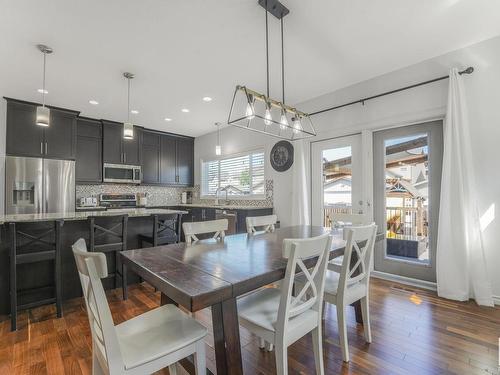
[[43, 82], [282, 63], [128, 101], [267, 52]]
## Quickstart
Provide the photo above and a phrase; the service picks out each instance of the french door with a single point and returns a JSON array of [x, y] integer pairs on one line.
[[407, 165], [337, 178]]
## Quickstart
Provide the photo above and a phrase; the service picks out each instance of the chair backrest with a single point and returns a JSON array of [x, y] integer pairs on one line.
[[267, 222], [108, 232], [354, 219], [356, 265], [91, 268], [192, 229], [311, 294]]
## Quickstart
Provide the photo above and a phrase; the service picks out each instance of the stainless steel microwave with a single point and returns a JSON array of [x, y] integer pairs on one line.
[[122, 174]]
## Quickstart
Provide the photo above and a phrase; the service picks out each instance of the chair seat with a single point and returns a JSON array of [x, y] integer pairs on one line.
[[155, 334], [261, 308]]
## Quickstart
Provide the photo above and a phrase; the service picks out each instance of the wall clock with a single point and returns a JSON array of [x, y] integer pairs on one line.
[[282, 156]]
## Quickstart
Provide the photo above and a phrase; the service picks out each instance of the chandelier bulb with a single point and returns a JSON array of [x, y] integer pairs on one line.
[[297, 126], [283, 120], [268, 119]]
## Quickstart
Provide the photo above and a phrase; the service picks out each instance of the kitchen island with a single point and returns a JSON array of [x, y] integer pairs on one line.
[[36, 275]]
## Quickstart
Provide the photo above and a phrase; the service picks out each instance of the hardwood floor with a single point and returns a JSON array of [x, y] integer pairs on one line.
[[414, 332]]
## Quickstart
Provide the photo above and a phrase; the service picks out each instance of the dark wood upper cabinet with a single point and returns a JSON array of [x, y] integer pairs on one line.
[[150, 158], [117, 150], [168, 163], [60, 136], [112, 136], [88, 166], [25, 138], [185, 161]]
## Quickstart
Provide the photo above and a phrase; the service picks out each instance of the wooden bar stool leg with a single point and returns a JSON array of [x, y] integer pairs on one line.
[[13, 284], [58, 278], [124, 281], [124, 267]]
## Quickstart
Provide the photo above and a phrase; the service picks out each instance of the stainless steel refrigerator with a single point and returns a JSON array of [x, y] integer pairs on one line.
[[36, 185]]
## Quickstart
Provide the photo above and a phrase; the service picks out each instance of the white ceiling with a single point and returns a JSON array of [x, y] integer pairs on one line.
[[184, 50]]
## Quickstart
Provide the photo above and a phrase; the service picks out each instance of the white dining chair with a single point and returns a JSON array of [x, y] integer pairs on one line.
[[345, 220], [141, 345], [192, 229], [279, 318], [352, 283], [267, 223]]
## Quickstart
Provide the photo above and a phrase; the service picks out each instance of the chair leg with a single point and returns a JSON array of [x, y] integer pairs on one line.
[[318, 350], [323, 312], [172, 369], [365, 312], [13, 280], [199, 358], [343, 332], [281, 353], [124, 282]]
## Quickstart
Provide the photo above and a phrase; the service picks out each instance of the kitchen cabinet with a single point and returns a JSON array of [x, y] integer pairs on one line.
[[25, 138], [168, 160], [151, 158], [88, 166], [185, 161], [117, 150]]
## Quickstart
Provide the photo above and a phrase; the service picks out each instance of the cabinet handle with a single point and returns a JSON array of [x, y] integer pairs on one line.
[[41, 148], [46, 148]]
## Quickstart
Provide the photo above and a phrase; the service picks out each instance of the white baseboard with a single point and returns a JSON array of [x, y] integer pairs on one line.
[[496, 300], [405, 280]]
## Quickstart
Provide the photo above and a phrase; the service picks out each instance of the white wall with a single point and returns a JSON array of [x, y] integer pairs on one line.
[[416, 105], [235, 140], [3, 124]]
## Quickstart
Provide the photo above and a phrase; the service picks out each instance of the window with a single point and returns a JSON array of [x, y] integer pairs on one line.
[[243, 173]]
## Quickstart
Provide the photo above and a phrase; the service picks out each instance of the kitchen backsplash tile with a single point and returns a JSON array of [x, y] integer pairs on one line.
[[168, 196], [157, 195]]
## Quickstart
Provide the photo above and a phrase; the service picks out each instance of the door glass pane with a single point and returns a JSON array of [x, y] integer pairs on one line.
[[407, 197], [337, 182]]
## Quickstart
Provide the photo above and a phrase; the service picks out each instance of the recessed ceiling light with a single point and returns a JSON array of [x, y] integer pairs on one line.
[[134, 111], [168, 119], [207, 99], [185, 110], [93, 102], [42, 91]]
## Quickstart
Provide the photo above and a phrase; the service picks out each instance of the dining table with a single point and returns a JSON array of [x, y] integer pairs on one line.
[[214, 273]]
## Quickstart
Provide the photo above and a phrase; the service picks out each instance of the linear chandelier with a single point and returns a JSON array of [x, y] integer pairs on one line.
[[260, 113]]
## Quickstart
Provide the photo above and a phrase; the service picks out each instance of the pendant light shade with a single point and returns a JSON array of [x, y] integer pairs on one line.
[[218, 148], [42, 116], [42, 112], [258, 112], [128, 127]]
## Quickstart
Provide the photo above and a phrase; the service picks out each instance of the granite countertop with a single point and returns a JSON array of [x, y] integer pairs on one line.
[[224, 206], [82, 215]]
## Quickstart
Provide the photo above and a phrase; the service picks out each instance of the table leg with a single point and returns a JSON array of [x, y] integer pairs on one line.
[[165, 300], [227, 338]]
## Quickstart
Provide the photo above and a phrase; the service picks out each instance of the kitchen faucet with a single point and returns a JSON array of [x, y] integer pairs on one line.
[[226, 190]]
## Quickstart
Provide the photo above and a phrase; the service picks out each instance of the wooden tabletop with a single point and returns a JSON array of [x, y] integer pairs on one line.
[[210, 271]]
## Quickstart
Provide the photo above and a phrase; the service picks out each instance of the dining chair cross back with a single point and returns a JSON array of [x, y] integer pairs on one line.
[[281, 318], [144, 344], [268, 223], [192, 229], [352, 283]]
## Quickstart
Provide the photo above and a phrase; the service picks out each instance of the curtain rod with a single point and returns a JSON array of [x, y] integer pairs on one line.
[[469, 70]]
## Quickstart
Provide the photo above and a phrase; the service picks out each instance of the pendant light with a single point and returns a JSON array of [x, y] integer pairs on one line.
[[128, 127], [218, 148], [42, 112], [258, 112]]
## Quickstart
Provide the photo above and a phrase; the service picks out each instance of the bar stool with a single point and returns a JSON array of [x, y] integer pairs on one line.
[[108, 234], [166, 230], [33, 243]]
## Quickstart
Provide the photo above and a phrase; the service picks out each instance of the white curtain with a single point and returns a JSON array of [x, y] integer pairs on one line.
[[300, 187], [461, 263]]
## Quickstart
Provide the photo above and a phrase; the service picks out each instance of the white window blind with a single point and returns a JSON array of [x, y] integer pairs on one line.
[[244, 174]]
